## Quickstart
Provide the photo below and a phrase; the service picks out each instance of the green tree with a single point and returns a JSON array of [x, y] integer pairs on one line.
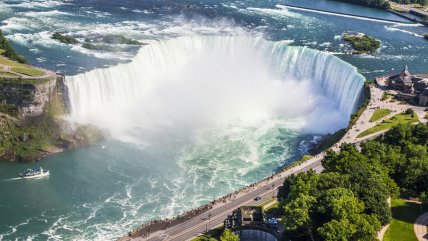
[[337, 230], [348, 222], [229, 235], [8, 51], [297, 215]]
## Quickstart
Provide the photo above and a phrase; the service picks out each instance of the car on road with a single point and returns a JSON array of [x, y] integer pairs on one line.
[[257, 198]]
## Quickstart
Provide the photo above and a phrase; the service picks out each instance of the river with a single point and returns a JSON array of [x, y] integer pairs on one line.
[[177, 138]]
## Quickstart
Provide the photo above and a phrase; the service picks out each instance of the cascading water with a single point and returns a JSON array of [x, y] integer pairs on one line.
[[198, 117], [189, 66], [209, 114]]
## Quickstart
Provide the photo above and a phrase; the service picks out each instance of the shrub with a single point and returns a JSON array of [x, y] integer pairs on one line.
[[410, 111], [64, 39], [120, 39], [9, 52]]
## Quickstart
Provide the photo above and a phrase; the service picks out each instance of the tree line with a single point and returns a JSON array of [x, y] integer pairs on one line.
[[7, 51], [348, 200], [383, 4], [421, 2]]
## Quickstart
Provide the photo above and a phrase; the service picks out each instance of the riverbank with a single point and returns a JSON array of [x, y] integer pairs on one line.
[[180, 229], [409, 12], [175, 228]]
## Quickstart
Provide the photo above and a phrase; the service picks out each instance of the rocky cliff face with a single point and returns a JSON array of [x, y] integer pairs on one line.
[[29, 99], [31, 126]]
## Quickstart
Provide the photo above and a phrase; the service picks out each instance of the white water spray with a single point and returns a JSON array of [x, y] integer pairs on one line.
[[178, 85]]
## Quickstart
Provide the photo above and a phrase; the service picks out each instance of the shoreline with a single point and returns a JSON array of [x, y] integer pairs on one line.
[[158, 225], [175, 228]]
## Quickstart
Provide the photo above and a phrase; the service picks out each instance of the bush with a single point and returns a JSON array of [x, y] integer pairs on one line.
[[120, 39], [410, 111], [64, 39], [99, 47], [9, 52]]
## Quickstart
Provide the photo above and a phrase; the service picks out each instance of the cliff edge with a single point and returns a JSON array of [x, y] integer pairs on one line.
[[33, 102], [31, 120]]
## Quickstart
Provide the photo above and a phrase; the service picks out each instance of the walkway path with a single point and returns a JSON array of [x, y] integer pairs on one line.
[[47, 73], [375, 103], [420, 227], [198, 224], [382, 232]]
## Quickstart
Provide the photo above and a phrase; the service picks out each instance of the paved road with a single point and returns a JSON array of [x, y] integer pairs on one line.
[[198, 224], [420, 227]]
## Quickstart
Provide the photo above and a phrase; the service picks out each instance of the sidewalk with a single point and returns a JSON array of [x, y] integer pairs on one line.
[[420, 227]]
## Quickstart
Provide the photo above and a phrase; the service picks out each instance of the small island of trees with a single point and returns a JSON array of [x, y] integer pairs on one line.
[[362, 43], [93, 44]]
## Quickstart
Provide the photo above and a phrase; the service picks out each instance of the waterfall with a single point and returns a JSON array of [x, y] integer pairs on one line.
[[159, 63]]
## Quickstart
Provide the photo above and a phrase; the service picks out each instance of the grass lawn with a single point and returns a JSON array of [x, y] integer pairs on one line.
[[380, 113], [404, 214], [386, 95], [267, 201], [275, 205], [401, 118], [8, 75], [6, 61], [28, 71], [212, 235]]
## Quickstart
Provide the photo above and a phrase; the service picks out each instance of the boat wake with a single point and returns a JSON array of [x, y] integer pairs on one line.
[[11, 179]]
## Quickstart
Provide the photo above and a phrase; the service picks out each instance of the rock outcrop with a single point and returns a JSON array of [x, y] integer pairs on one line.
[[31, 123], [29, 99]]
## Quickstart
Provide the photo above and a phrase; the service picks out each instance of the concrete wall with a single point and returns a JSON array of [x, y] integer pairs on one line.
[[255, 235]]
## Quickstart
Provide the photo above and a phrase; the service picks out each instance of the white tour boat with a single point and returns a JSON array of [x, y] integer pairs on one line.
[[34, 173]]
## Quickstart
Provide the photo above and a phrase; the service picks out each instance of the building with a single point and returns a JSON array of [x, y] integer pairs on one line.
[[402, 81], [249, 222], [410, 86], [423, 98], [252, 215]]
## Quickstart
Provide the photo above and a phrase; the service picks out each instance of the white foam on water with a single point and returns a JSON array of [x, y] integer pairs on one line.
[[52, 13], [140, 83], [394, 29], [199, 95], [39, 4], [277, 13]]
